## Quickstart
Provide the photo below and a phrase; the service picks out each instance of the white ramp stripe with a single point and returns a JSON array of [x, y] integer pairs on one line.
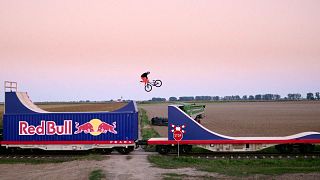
[[25, 100]]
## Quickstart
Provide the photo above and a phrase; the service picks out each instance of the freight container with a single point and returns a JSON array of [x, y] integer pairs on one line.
[[27, 126]]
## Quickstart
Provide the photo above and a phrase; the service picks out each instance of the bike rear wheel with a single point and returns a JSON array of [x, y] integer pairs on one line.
[[157, 83], [148, 87]]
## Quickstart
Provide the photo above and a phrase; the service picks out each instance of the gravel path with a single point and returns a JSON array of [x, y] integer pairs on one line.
[[117, 167]]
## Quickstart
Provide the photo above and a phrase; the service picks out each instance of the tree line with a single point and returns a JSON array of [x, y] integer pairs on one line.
[[258, 97]]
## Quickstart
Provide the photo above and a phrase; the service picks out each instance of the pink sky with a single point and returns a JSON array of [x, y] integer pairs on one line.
[[72, 50]]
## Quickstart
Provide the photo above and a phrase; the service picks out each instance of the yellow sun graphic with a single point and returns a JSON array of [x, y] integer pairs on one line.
[[95, 123]]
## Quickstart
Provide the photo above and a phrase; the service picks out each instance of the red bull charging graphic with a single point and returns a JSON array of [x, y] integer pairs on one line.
[[94, 127]]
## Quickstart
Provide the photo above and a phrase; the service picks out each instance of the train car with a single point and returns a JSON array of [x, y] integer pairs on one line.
[[26, 126], [184, 130]]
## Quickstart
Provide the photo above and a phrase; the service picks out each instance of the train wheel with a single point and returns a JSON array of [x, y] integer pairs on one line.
[[161, 149], [105, 151], [124, 150], [306, 148]]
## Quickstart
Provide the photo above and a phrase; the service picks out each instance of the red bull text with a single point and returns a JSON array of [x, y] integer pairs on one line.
[[46, 128]]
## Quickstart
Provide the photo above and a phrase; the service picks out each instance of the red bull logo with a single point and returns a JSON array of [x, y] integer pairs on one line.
[[95, 127]]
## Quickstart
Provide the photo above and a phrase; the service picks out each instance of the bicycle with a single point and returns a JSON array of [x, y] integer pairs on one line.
[[156, 83]]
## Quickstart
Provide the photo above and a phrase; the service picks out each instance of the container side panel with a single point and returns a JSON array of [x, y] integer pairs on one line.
[[71, 127]]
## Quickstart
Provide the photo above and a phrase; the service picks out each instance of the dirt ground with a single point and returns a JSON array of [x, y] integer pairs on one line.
[[81, 107], [253, 118], [118, 167], [86, 107]]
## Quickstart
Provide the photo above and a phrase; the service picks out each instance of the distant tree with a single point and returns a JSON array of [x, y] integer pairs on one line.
[[258, 97], [267, 97], [173, 99], [277, 97], [158, 99], [245, 97], [251, 97], [236, 98], [317, 95], [310, 96], [232, 98], [203, 98], [215, 98], [296, 96], [186, 98]]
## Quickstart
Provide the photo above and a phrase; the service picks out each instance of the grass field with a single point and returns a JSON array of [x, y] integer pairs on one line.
[[147, 131], [239, 167], [95, 157], [252, 118], [97, 175]]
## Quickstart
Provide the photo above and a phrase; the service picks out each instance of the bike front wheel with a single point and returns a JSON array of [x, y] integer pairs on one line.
[[157, 83], [148, 87]]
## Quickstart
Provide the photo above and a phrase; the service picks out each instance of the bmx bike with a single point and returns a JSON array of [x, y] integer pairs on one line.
[[149, 85]]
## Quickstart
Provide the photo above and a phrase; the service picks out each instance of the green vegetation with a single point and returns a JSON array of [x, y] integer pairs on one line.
[[239, 167], [53, 159], [174, 176], [97, 175], [147, 131]]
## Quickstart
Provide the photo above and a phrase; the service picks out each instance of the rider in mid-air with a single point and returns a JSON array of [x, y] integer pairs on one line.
[[144, 77]]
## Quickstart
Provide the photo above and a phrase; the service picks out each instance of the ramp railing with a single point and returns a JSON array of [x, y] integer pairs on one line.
[[9, 85]]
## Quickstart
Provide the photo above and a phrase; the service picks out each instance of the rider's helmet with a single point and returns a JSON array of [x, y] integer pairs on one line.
[[148, 72]]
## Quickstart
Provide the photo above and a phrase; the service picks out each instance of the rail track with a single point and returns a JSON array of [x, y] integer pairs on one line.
[[39, 157], [40, 154], [249, 155]]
